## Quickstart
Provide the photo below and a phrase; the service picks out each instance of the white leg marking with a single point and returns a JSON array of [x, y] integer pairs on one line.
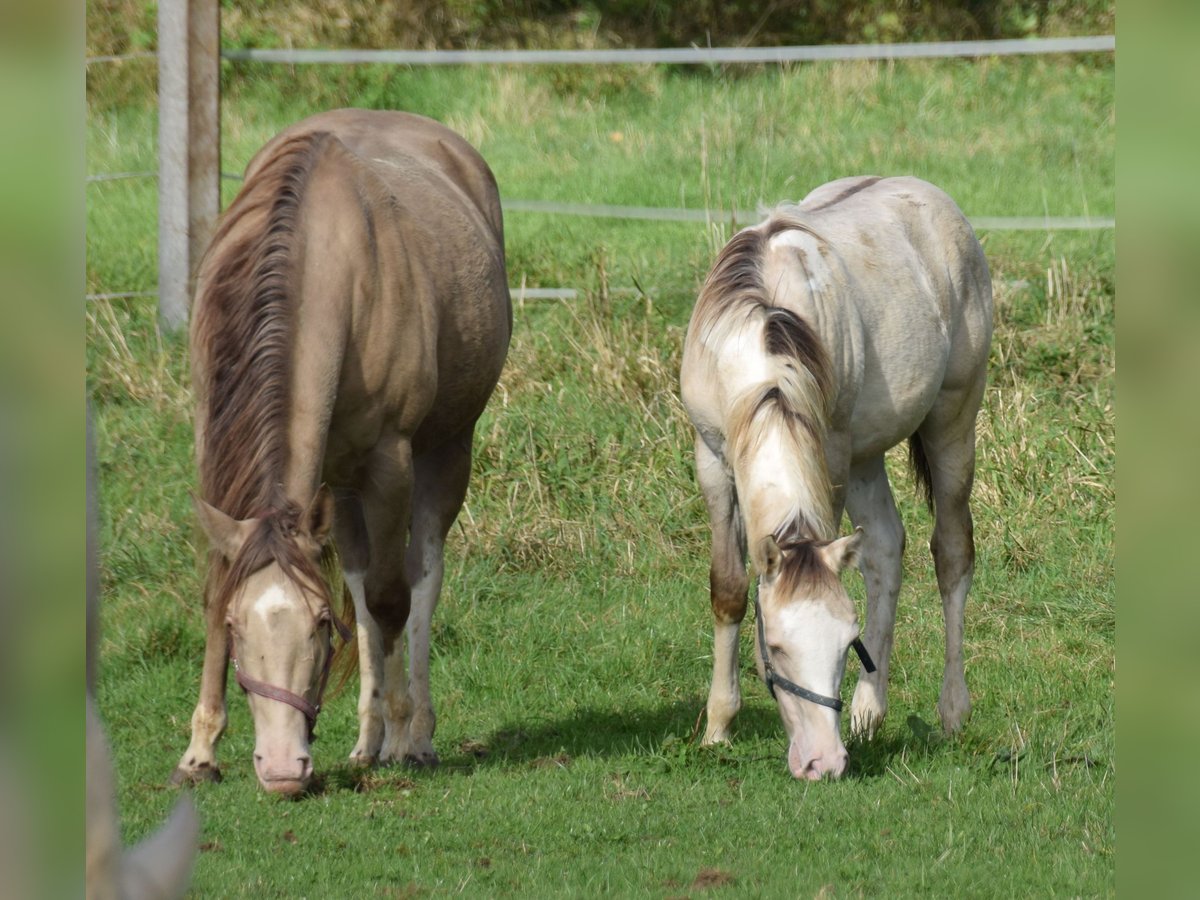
[[871, 506], [200, 758], [724, 696], [396, 707], [370, 663]]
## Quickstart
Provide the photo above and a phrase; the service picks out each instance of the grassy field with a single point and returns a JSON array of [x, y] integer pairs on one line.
[[572, 648]]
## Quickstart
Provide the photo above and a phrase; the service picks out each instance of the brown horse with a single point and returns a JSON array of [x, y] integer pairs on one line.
[[825, 335], [350, 323]]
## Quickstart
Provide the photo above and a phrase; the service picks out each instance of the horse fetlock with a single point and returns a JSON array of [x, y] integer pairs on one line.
[[370, 738], [395, 742], [397, 716], [715, 734], [720, 715], [867, 709], [192, 773], [954, 705], [421, 755], [363, 759], [422, 723], [207, 727], [427, 760]]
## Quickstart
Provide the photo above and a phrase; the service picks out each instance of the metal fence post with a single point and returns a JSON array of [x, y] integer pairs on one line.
[[189, 147]]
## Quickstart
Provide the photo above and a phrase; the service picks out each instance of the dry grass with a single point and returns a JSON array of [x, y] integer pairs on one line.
[[132, 362]]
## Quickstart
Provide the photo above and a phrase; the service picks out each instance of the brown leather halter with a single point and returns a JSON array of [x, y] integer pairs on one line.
[[271, 692]]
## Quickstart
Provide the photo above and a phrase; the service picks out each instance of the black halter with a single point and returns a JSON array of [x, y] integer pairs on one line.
[[773, 678]]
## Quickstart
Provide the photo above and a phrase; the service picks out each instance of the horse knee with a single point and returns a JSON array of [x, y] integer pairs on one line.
[[728, 597], [389, 608]]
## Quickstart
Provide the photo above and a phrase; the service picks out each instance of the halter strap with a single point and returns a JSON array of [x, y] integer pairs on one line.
[[271, 692], [773, 678]]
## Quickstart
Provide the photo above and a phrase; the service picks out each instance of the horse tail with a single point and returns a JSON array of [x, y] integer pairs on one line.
[[920, 468]]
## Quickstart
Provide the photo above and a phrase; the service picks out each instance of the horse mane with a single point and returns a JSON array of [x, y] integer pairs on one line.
[[802, 570], [241, 349], [797, 397]]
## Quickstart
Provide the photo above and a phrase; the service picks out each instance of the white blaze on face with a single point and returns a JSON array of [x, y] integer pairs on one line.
[[813, 642], [272, 600], [277, 647]]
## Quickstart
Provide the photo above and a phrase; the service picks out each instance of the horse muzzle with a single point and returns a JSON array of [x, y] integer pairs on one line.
[[814, 763], [283, 773]]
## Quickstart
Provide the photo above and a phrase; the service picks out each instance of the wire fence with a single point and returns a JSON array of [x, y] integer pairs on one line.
[[738, 216], [663, 56], [1103, 43]]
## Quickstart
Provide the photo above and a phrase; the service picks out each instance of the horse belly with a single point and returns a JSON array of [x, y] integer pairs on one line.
[[874, 431], [894, 399]]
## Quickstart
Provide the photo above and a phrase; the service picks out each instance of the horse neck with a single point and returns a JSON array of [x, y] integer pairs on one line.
[[782, 481], [248, 337]]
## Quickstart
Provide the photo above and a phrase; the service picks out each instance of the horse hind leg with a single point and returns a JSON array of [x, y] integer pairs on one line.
[[439, 488], [728, 583], [951, 458], [872, 507]]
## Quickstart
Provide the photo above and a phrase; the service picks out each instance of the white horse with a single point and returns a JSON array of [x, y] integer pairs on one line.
[[822, 337]]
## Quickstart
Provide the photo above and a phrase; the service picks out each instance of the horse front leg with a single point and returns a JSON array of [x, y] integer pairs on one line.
[[354, 549], [872, 507], [370, 674], [199, 761], [728, 584], [384, 706]]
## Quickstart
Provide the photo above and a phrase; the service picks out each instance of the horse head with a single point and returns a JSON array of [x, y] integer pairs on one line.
[[806, 624], [279, 624]]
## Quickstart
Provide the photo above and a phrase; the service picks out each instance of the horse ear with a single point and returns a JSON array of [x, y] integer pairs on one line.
[[318, 519], [843, 552], [767, 557], [225, 533]]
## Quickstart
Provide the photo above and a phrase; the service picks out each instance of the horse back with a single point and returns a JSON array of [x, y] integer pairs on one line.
[[890, 273], [379, 238], [430, 310]]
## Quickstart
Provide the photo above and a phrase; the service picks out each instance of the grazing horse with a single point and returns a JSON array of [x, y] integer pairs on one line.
[[822, 337], [351, 319]]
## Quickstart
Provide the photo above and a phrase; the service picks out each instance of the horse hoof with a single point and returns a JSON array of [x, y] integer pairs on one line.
[[427, 760], [201, 774], [363, 761]]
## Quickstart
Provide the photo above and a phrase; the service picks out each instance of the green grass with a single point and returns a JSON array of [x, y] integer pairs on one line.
[[572, 647]]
